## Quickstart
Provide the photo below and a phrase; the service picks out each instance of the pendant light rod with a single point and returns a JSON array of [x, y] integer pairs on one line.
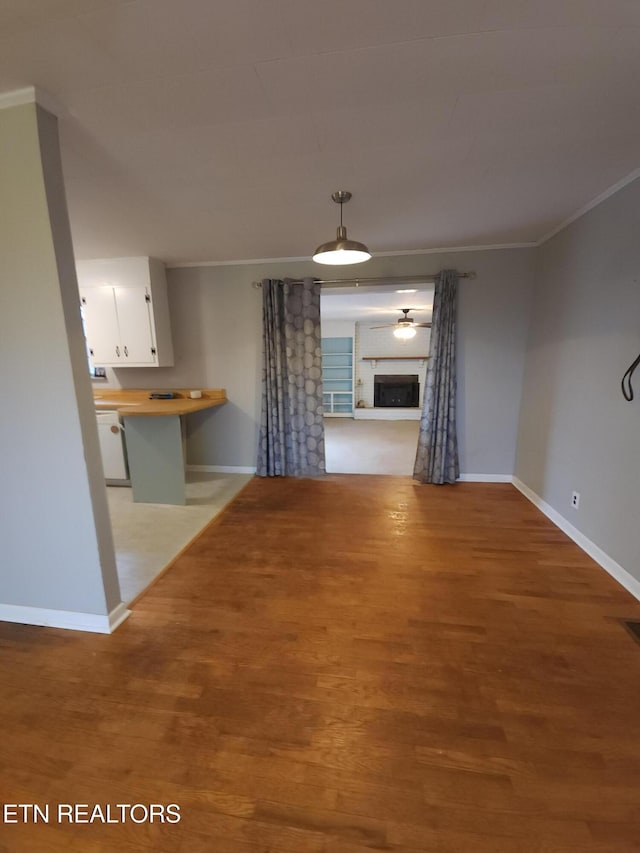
[[390, 279], [341, 197]]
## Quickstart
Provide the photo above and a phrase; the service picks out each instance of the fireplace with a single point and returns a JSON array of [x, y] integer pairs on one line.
[[396, 391]]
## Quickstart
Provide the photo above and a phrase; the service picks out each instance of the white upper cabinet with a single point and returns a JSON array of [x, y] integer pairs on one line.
[[126, 312]]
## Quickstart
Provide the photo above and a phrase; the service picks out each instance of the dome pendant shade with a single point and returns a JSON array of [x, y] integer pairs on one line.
[[341, 251]]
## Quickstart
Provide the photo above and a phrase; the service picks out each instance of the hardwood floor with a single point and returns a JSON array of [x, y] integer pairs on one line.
[[339, 666]]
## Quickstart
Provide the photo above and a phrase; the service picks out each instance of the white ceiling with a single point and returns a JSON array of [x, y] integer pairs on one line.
[[376, 303], [199, 130]]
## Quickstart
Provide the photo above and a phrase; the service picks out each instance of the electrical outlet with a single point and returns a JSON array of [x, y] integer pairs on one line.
[[575, 500]]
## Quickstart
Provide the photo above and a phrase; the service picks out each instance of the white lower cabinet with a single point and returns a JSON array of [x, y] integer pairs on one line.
[[125, 312], [112, 447]]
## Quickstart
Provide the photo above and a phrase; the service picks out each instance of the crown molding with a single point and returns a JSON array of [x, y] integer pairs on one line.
[[628, 179], [247, 263], [443, 250], [440, 251], [29, 95]]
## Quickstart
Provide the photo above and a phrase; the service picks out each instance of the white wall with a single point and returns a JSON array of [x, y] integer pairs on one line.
[[576, 430], [332, 328], [216, 324], [383, 342], [57, 552]]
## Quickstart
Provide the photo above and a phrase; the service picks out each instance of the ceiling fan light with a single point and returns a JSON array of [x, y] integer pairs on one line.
[[404, 332]]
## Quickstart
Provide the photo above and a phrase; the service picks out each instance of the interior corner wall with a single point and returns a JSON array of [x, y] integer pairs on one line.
[[57, 552], [577, 432], [216, 316]]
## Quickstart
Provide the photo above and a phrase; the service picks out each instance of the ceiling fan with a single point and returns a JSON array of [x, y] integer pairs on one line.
[[405, 327]]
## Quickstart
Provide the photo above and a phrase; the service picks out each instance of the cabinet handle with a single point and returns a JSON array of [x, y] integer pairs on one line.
[[126, 351], [118, 351]]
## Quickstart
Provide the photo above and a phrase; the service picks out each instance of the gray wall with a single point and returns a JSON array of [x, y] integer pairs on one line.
[[216, 321], [576, 430], [57, 551]]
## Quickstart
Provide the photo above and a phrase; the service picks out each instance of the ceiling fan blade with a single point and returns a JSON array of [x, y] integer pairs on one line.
[[388, 326], [423, 325]]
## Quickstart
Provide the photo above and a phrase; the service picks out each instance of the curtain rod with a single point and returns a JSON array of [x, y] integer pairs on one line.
[[391, 279]]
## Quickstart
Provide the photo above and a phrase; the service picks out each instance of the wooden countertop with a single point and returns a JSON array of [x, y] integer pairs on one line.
[[129, 402]]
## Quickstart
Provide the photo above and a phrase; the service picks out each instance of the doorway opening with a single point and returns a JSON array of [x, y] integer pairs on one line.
[[373, 380]]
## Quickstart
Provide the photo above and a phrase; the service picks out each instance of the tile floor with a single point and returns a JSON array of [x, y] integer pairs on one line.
[[148, 536], [370, 447]]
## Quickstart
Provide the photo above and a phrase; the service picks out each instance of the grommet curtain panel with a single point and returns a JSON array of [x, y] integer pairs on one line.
[[291, 440], [437, 454]]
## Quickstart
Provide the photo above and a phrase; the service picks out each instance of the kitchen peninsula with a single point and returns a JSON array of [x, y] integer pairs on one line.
[[155, 438]]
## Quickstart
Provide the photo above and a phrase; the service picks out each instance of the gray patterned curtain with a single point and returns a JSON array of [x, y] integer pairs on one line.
[[437, 455], [292, 428]]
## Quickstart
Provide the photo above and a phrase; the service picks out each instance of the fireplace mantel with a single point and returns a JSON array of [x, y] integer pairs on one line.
[[374, 359]]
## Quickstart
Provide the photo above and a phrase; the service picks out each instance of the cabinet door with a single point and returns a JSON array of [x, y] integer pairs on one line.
[[111, 447], [135, 321], [101, 325]]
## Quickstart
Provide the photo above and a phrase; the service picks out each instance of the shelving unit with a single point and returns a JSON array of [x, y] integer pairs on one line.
[[337, 377]]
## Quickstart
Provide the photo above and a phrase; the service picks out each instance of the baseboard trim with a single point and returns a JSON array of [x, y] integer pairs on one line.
[[387, 414], [223, 469], [92, 622], [485, 478], [596, 553], [117, 616], [243, 469]]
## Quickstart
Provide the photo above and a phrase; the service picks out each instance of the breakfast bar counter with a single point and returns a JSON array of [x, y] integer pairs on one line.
[[135, 402], [155, 438]]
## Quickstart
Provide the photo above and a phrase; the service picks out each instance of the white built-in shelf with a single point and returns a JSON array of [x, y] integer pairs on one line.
[[337, 377]]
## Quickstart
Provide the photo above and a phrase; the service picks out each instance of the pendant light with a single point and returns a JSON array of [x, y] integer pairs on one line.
[[341, 250]]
